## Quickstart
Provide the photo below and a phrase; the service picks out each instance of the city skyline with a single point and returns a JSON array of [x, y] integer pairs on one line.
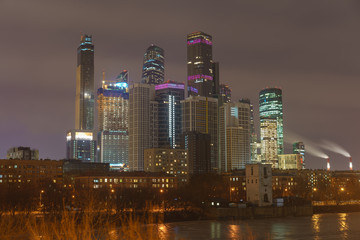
[[300, 64]]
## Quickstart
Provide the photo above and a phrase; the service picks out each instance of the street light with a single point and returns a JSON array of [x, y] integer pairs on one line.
[[41, 193]]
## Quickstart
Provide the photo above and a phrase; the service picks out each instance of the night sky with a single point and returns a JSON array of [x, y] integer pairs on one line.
[[311, 49]]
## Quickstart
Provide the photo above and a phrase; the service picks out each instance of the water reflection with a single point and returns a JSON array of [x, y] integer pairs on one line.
[[234, 231], [316, 223], [343, 224], [215, 230]]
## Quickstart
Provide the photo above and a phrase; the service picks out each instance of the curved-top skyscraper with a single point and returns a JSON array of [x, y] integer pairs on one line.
[[271, 107], [84, 101], [153, 67]]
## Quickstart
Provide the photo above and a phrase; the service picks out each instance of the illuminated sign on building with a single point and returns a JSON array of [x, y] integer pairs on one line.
[[169, 85], [198, 76], [199, 40], [83, 136]]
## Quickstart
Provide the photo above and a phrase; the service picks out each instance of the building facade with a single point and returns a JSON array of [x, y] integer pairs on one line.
[[80, 145], [22, 153], [225, 94], [290, 161], [259, 184], [198, 147], [271, 106], [199, 64], [113, 120], [142, 123], [84, 101], [299, 148], [34, 172], [153, 71], [200, 114], [268, 133], [234, 132], [168, 95], [170, 161]]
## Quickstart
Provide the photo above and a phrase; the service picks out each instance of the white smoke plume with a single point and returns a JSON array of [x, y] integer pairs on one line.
[[333, 147], [310, 147]]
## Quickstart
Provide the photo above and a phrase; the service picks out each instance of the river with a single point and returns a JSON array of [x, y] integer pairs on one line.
[[319, 226]]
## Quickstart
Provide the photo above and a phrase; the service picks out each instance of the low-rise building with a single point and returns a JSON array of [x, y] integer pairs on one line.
[[259, 184], [30, 171], [127, 180], [22, 153], [290, 161], [167, 160]]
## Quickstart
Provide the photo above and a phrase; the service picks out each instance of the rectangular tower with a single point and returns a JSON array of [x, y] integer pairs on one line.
[[84, 108], [142, 123], [268, 133], [200, 114], [113, 137], [234, 133], [168, 96], [199, 64]]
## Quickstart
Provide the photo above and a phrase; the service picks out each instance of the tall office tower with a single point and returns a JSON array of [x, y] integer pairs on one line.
[[234, 133], [168, 95], [268, 132], [22, 153], [153, 67], [224, 93], [271, 106], [198, 147], [299, 148], [200, 64], [201, 114], [142, 123], [80, 145], [84, 101], [113, 135]]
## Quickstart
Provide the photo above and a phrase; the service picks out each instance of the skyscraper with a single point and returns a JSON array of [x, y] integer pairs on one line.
[[299, 148], [153, 66], [270, 101], [234, 133], [200, 114], [113, 107], [224, 94], [80, 143], [200, 66], [268, 133], [168, 96], [84, 108], [142, 123]]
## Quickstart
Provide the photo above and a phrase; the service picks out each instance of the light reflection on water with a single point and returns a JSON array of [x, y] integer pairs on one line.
[[319, 226]]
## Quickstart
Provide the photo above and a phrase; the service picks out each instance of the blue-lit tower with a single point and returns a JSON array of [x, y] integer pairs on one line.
[[154, 65], [168, 95], [113, 108], [271, 107]]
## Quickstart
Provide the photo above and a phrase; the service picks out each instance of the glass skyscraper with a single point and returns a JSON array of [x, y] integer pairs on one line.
[[153, 66], [113, 107], [84, 108], [200, 66], [168, 95], [270, 101], [80, 143]]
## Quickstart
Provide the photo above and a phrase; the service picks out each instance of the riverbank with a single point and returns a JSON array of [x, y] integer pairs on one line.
[[337, 208], [258, 212]]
